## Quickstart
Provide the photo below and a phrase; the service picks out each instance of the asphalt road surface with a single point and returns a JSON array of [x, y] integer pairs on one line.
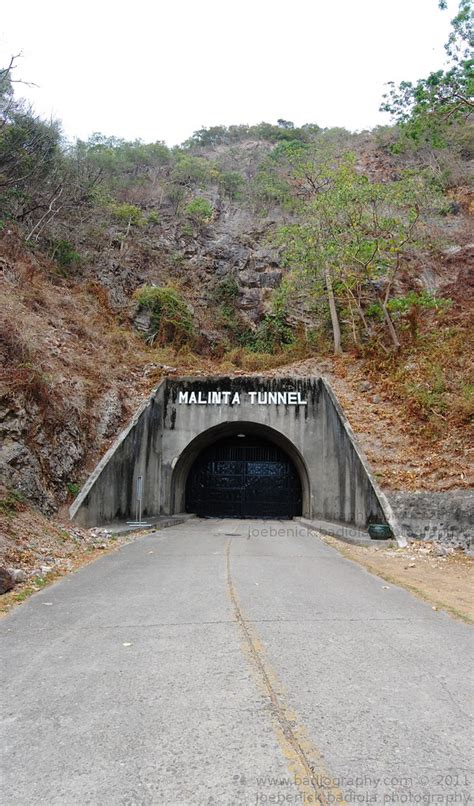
[[233, 662]]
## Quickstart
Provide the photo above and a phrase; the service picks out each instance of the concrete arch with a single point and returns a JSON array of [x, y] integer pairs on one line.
[[209, 436]]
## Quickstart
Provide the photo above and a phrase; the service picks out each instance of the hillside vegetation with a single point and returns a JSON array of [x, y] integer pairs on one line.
[[245, 249]]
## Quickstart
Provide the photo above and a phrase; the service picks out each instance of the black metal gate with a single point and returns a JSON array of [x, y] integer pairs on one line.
[[243, 477]]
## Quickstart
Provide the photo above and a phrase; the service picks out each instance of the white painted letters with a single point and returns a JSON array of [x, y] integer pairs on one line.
[[218, 398]]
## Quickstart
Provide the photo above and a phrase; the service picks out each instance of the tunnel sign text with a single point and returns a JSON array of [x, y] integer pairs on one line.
[[236, 398]]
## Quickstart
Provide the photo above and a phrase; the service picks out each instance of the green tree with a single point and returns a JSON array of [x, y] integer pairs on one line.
[[29, 154], [189, 171], [425, 109], [128, 214], [352, 240], [231, 183], [208, 137]]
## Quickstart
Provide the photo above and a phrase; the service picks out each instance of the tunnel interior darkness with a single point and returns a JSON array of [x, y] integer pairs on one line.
[[243, 475]]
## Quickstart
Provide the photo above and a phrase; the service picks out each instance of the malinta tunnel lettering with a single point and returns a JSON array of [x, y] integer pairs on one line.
[[235, 398]]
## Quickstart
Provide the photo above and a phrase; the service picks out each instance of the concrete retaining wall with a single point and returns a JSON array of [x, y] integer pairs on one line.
[[443, 517]]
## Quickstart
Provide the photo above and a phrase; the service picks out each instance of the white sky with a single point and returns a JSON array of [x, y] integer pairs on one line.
[[159, 70]]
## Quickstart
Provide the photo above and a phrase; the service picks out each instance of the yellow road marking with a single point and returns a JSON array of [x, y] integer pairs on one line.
[[303, 759]]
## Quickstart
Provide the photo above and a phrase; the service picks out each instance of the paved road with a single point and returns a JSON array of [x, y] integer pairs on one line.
[[216, 663]]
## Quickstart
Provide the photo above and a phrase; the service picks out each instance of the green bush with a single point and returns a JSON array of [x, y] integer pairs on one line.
[[411, 308], [200, 210], [127, 213], [189, 171], [63, 252], [272, 334], [231, 183], [73, 488], [171, 319]]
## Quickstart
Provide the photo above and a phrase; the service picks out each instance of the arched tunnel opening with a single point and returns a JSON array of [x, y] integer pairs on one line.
[[241, 470], [243, 476]]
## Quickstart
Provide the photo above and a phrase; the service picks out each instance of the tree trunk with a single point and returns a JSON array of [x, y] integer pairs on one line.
[[355, 334], [391, 328], [336, 330]]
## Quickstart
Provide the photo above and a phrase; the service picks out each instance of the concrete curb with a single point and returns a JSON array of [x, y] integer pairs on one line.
[[153, 525], [347, 534]]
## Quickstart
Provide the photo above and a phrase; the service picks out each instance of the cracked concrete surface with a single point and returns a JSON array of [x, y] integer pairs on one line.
[[197, 666]]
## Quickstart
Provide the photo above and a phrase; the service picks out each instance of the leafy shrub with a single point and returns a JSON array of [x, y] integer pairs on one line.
[[200, 210], [272, 334], [63, 252], [421, 299], [231, 183], [171, 319], [189, 171], [127, 213], [412, 305]]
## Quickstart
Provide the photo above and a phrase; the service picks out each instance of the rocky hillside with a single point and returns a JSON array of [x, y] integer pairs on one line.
[[267, 248], [80, 337]]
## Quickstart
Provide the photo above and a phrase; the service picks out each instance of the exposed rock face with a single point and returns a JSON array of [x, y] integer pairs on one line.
[[235, 243], [20, 465], [108, 413], [142, 320], [38, 465], [39, 462], [19, 575]]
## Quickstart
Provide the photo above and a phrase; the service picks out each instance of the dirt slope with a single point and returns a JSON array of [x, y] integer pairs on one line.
[[401, 454]]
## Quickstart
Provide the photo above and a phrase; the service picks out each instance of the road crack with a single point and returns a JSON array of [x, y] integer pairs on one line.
[[303, 758]]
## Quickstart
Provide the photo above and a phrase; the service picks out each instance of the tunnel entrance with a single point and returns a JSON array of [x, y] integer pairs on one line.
[[243, 476], [184, 450]]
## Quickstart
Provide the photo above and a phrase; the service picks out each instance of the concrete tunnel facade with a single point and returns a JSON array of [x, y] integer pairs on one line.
[[153, 457]]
